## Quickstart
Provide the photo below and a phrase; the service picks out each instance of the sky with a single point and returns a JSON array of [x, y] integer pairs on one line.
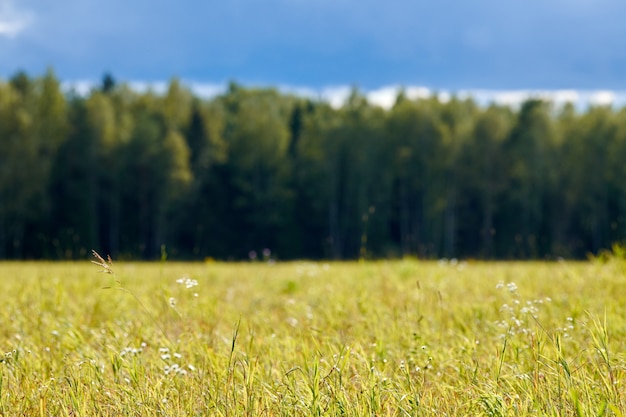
[[563, 49]]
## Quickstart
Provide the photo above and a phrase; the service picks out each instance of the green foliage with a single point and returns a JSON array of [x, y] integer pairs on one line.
[[33, 124], [251, 169]]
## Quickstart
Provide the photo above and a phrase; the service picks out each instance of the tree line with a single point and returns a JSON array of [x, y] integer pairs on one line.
[[134, 174]]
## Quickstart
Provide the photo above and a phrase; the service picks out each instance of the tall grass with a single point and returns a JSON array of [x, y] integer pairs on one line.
[[403, 338]]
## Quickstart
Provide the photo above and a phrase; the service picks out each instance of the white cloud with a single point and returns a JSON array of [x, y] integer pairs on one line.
[[602, 98], [580, 98], [206, 90], [415, 93], [13, 21], [336, 96], [502, 97], [84, 87], [80, 87], [11, 28], [444, 96], [385, 97]]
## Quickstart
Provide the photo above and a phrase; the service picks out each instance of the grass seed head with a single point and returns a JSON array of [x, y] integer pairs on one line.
[[105, 265]]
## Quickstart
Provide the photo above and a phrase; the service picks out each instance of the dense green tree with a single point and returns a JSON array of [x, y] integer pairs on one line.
[[314, 210], [459, 118], [359, 195], [481, 166], [527, 153], [33, 126], [157, 172], [587, 161], [88, 174], [616, 155], [130, 173], [258, 168], [207, 156], [418, 136]]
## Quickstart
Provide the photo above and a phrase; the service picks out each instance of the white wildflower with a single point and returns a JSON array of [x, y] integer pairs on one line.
[[187, 282]]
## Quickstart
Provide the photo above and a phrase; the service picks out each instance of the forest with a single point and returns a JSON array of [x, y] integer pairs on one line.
[[141, 175]]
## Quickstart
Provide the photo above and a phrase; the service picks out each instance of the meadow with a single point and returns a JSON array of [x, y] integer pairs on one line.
[[376, 338]]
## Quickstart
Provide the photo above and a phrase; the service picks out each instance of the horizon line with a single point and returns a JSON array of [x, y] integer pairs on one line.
[[385, 96]]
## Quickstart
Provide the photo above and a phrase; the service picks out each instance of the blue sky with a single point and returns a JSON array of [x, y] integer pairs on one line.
[[444, 45]]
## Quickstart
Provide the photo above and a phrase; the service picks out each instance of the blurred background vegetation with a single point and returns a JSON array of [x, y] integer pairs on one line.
[[130, 173]]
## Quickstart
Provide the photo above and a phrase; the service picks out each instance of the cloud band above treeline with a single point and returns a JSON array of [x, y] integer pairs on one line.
[[386, 96]]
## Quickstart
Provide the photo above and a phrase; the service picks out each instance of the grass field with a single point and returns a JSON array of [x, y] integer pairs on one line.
[[401, 338]]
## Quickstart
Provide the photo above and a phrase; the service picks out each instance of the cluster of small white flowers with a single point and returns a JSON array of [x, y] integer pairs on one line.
[[531, 307], [133, 351], [174, 368], [165, 353], [517, 310], [187, 282], [8, 355], [567, 328], [511, 286]]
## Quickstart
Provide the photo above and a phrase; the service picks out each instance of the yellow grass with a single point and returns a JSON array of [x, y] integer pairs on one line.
[[402, 338]]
